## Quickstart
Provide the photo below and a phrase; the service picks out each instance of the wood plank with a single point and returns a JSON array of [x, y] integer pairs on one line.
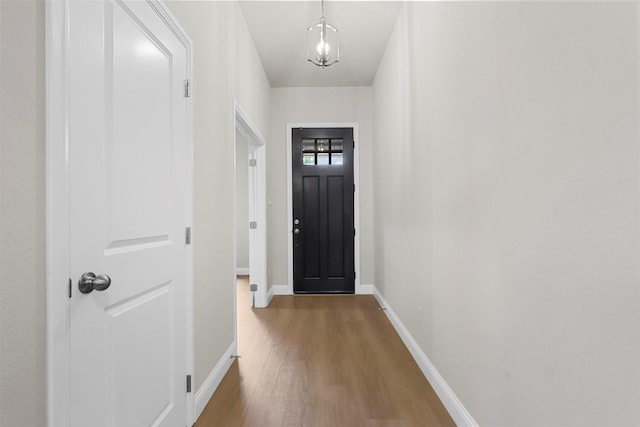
[[330, 360]]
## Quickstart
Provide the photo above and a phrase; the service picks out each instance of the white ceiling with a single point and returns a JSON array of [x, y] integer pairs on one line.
[[279, 31]]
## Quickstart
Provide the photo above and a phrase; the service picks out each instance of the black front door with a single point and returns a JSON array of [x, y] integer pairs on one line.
[[323, 229]]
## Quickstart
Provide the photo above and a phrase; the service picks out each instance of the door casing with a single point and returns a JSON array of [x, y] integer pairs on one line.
[[57, 209], [356, 198]]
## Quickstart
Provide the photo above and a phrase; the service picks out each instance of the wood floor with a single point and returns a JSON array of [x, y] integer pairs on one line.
[[321, 361]]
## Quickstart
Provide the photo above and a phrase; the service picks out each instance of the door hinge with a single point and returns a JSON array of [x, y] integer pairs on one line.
[[70, 286], [188, 383], [253, 225], [354, 188], [354, 275], [354, 232], [253, 288], [187, 235], [253, 162], [187, 88]]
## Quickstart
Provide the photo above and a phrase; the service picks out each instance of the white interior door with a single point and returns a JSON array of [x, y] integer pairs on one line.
[[251, 195], [257, 201], [129, 197]]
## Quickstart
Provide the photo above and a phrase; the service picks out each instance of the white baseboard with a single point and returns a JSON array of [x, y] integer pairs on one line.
[[366, 289], [454, 406], [269, 295], [204, 393], [242, 271], [280, 290], [284, 290]]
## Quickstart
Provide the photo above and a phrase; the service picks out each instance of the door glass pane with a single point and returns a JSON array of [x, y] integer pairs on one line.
[[323, 158], [308, 159], [336, 158], [308, 145], [336, 145], [323, 145]]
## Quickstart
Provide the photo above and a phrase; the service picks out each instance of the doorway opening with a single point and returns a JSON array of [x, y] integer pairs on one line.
[[242, 217], [250, 209]]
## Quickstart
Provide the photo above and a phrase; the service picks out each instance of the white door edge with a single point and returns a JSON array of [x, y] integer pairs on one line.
[[57, 215], [356, 197], [57, 209]]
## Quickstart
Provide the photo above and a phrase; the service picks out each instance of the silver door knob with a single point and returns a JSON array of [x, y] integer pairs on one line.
[[89, 282], [296, 231]]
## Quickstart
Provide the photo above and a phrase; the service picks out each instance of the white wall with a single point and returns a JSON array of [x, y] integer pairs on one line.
[[506, 204], [242, 202], [22, 218], [316, 105], [226, 67]]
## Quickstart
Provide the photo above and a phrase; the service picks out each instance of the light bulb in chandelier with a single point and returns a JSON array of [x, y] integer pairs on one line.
[[323, 49]]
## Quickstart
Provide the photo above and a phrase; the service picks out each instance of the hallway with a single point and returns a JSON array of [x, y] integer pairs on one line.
[[321, 361], [497, 196]]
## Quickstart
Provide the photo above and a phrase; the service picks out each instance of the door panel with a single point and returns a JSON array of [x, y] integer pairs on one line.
[[335, 227], [138, 150], [127, 324], [311, 221], [128, 184], [322, 184]]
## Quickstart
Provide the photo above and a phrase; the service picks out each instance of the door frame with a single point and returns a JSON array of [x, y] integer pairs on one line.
[[257, 206], [356, 198], [57, 209]]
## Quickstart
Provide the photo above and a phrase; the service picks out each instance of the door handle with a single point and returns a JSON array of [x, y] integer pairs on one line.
[[89, 282]]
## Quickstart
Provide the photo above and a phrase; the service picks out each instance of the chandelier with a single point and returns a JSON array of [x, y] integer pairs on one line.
[[323, 45]]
